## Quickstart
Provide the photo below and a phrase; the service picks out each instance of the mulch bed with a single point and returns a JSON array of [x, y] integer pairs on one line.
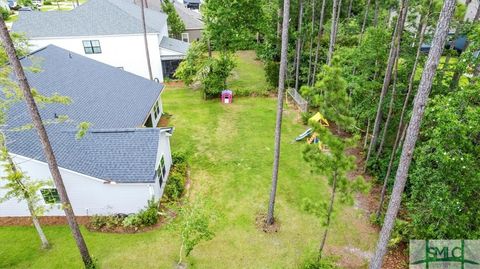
[[261, 223], [47, 220]]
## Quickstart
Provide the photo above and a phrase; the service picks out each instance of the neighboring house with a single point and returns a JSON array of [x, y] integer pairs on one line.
[[192, 4], [193, 23], [192, 19], [109, 31], [119, 164]]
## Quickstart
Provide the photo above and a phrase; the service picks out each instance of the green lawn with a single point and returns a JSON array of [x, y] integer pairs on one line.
[[232, 153], [248, 75]]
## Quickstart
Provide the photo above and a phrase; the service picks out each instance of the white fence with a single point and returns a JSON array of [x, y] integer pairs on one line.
[[298, 99]]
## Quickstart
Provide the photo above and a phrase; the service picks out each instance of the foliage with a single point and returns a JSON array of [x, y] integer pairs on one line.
[[18, 185], [175, 23], [230, 25], [192, 64], [446, 172], [272, 69], [145, 217], [176, 179], [5, 13], [215, 72], [329, 95], [314, 263], [195, 227], [99, 222]]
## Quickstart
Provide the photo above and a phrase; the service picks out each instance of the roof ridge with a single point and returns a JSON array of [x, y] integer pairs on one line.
[[131, 16]]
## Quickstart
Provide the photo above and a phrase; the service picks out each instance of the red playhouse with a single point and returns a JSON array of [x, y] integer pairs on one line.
[[227, 96]]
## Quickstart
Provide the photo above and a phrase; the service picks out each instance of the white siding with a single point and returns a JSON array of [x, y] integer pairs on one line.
[[127, 51], [89, 196]]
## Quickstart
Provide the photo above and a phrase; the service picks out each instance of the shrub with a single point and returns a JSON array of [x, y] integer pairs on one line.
[[305, 117], [47, 3], [5, 13], [145, 217], [176, 179], [271, 73], [99, 222]]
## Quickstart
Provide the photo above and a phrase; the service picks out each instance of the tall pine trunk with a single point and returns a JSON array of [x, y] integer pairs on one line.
[[319, 38], [413, 130], [147, 53], [390, 105], [365, 17], [278, 123], [333, 31], [375, 14], [421, 36], [396, 38], [298, 50], [311, 45], [349, 14], [329, 216], [47, 147]]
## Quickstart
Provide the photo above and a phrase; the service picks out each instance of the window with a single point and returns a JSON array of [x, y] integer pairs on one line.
[[92, 46], [161, 171], [185, 37], [156, 110], [50, 196]]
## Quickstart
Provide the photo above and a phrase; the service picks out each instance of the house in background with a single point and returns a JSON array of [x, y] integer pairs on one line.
[[192, 4], [192, 19], [109, 31], [193, 23], [119, 164]]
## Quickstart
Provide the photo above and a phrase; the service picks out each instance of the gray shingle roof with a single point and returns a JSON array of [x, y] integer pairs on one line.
[[191, 19], [105, 96], [114, 101], [120, 155], [95, 17], [175, 45]]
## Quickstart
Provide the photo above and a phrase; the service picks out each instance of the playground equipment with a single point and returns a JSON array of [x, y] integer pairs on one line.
[[320, 119], [227, 97], [312, 137]]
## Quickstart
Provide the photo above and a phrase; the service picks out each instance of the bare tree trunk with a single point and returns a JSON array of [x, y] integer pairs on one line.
[[47, 147], [477, 14], [279, 23], [333, 31], [365, 17], [311, 45], [278, 123], [390, 106], [413, 129], [329, 216], [395, 44], [319, 38], [424, 24], [299, 45], [375, 15], [349, 14], [147, 53], [146, 3], [366, 135]]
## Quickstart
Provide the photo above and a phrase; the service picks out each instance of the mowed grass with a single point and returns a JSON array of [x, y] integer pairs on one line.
[[231, 162], [248, 75]]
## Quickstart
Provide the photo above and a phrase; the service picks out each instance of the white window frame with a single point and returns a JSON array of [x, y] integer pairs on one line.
[[186, 36]]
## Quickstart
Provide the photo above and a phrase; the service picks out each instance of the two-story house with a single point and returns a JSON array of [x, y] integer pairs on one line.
[[109, 31]]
